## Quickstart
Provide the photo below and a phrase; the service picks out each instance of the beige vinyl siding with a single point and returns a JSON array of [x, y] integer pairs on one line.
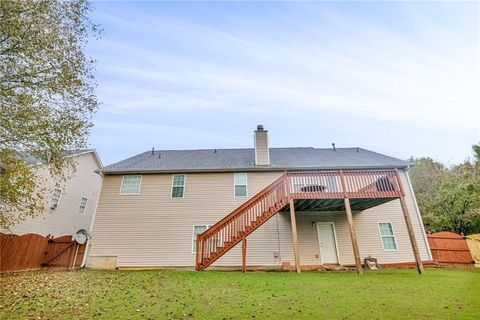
[[66, 218], [153, 229]]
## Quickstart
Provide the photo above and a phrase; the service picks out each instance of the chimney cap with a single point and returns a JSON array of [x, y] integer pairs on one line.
[[260, 127]]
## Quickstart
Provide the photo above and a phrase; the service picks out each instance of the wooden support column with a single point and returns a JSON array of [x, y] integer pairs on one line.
[[411, 234], [296, 252], [244, 254], [353, 236], [408, 222], [197, 253]]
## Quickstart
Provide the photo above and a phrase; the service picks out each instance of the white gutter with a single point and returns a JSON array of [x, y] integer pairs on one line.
[[419, 216]]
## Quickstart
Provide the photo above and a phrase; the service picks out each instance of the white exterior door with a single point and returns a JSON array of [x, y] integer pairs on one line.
[[328, 242]]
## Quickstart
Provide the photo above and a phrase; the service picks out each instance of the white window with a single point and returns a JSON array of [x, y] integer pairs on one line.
[[83, 205], [196, 231], [387, 235], [240, 179], [55, 198], [178, 185], [131, 185]]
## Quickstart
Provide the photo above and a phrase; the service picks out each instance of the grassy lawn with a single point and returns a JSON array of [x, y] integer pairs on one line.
[[157, 294]]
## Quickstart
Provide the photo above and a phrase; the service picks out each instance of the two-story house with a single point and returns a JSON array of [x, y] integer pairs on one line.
[[299, 207], [70, 203]]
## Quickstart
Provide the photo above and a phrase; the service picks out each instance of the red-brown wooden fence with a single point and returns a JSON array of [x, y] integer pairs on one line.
[[33, 251], [449, 248]]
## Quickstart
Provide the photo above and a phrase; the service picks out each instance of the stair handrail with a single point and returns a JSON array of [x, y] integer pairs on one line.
[[241, 208]]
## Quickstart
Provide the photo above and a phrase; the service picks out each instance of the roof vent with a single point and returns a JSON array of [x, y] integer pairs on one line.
[[333, 145], [153, 151], [260, 127]]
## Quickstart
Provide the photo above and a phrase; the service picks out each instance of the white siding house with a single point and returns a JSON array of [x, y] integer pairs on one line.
[[152, 206], [70, 204]]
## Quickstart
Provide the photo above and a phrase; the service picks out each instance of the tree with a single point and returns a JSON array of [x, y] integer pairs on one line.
[[426, 175], [457, 202], [449, 198], [47, 96]]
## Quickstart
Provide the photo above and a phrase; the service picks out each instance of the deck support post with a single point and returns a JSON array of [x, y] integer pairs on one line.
[[244, 254], [411, 234], [296, 252], [408, 222], [353, 236]]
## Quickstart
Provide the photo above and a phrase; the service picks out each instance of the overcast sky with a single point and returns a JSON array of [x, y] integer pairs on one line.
[[397, 78]]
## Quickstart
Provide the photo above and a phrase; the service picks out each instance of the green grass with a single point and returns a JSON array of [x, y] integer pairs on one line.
[[158, 294]]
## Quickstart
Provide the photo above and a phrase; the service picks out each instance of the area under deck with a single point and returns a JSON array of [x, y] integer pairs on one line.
[[336, 204]]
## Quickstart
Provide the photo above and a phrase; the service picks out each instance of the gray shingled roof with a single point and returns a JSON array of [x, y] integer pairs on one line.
[[29, 159], [244, 159]]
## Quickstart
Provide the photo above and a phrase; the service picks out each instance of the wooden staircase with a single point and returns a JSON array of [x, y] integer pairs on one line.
[[329, 185], [228, 232]]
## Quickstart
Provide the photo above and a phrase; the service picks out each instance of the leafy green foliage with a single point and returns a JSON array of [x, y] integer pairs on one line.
[[47, 95], [449, 198]]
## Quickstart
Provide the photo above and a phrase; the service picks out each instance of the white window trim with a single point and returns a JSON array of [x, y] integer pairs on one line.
[[139, 185], [381, 237], [59, 197], [184, 185], [194, 238], [246, 185], [80, 205]]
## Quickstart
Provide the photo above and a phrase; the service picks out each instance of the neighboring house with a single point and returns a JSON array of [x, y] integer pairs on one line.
[[186, 208], [70, 204]]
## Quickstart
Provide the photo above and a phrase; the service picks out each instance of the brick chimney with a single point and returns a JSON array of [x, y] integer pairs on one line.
[[262, 153]]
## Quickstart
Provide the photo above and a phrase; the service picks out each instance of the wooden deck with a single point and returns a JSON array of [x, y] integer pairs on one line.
[[333, 190]]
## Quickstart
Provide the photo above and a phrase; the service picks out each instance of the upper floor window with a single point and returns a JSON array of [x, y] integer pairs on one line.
[[178, 185], [83, 206], [55, 198], [131, 185], [387, 235], [240, 184]]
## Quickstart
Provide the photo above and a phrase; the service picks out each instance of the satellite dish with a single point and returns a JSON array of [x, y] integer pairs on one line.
[[81, 236]]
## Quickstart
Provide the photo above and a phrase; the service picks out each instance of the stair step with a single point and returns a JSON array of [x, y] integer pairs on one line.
[[234, 239]]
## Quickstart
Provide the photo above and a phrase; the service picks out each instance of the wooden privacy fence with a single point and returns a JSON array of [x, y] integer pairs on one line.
[[473, 242], [33, 251], [449, 248]]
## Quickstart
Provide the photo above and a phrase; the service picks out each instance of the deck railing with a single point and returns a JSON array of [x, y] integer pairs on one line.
[[229, 231], [344, 184]]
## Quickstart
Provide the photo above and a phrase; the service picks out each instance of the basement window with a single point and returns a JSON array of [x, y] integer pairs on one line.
[[240, 180], [131, 185], [83, 206], [178, 185], [198, 229], [387, 235]]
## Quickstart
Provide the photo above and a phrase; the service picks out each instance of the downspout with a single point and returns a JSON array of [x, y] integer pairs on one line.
[[88, 247], [417, 210]]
